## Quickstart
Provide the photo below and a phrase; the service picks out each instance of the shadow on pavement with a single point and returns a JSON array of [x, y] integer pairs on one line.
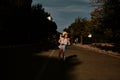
[[18, 63], [55, 69]]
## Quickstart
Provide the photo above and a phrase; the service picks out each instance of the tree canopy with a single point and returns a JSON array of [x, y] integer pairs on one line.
[[104, 24], [106, 15], [24, 25]]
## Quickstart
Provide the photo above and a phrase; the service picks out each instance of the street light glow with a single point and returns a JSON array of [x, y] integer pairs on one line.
[[90, 35], [49, 18]]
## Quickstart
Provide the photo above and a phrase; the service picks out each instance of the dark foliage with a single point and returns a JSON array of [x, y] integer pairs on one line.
[[20, 23]]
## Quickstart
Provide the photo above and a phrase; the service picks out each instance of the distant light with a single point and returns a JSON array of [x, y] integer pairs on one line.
[[49, 18], [90, 35]]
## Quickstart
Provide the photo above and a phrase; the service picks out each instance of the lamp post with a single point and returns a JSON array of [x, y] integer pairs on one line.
[[49, 18], [90, 36]]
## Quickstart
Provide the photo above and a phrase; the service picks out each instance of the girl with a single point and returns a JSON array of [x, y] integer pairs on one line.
[[64, 41]]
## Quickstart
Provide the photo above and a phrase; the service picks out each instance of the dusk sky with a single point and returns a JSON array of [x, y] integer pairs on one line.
[[64, 12]]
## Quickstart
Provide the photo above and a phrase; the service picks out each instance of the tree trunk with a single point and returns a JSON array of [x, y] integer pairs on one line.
[[81, 39]]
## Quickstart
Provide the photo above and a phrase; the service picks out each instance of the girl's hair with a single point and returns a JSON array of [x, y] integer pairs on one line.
[[64, 33]]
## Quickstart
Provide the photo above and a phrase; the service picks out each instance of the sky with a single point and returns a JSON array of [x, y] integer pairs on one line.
[[64, 12]]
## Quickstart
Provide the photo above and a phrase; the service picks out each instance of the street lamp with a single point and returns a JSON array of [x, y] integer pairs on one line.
[[90, 35], [49, 18], [90, 38]]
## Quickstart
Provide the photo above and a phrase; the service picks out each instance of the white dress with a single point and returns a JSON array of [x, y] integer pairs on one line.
[[63, 44]]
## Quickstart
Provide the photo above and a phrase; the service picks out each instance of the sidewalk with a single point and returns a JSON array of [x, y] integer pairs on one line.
[[111, 53]]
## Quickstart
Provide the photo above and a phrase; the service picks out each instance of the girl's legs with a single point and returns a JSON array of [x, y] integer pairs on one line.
[[63, 53], [60, 53]]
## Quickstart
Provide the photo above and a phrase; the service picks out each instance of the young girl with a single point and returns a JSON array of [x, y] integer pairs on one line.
[[64, 41]]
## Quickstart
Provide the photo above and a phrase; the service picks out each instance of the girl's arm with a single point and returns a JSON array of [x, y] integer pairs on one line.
[[59, 41], [68, 41]]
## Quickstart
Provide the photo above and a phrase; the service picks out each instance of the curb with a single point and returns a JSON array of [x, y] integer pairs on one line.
[[111, 53]]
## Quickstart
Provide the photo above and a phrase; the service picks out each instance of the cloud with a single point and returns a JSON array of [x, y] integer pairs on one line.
[[64, 12], [71, 8], [64, 5], [59, 3], [80, 9]]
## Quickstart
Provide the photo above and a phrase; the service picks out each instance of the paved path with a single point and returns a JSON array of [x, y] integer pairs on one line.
[[80, 64]]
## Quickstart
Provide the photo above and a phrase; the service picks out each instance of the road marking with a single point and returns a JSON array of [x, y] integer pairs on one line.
[[41, 72], [52, 53]]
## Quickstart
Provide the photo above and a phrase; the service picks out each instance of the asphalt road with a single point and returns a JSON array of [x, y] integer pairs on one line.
[[80, 64]]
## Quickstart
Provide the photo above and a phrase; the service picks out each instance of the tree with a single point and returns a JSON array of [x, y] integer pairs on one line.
[[111, 17], [80, 29], [106, 14], [22, 24]]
